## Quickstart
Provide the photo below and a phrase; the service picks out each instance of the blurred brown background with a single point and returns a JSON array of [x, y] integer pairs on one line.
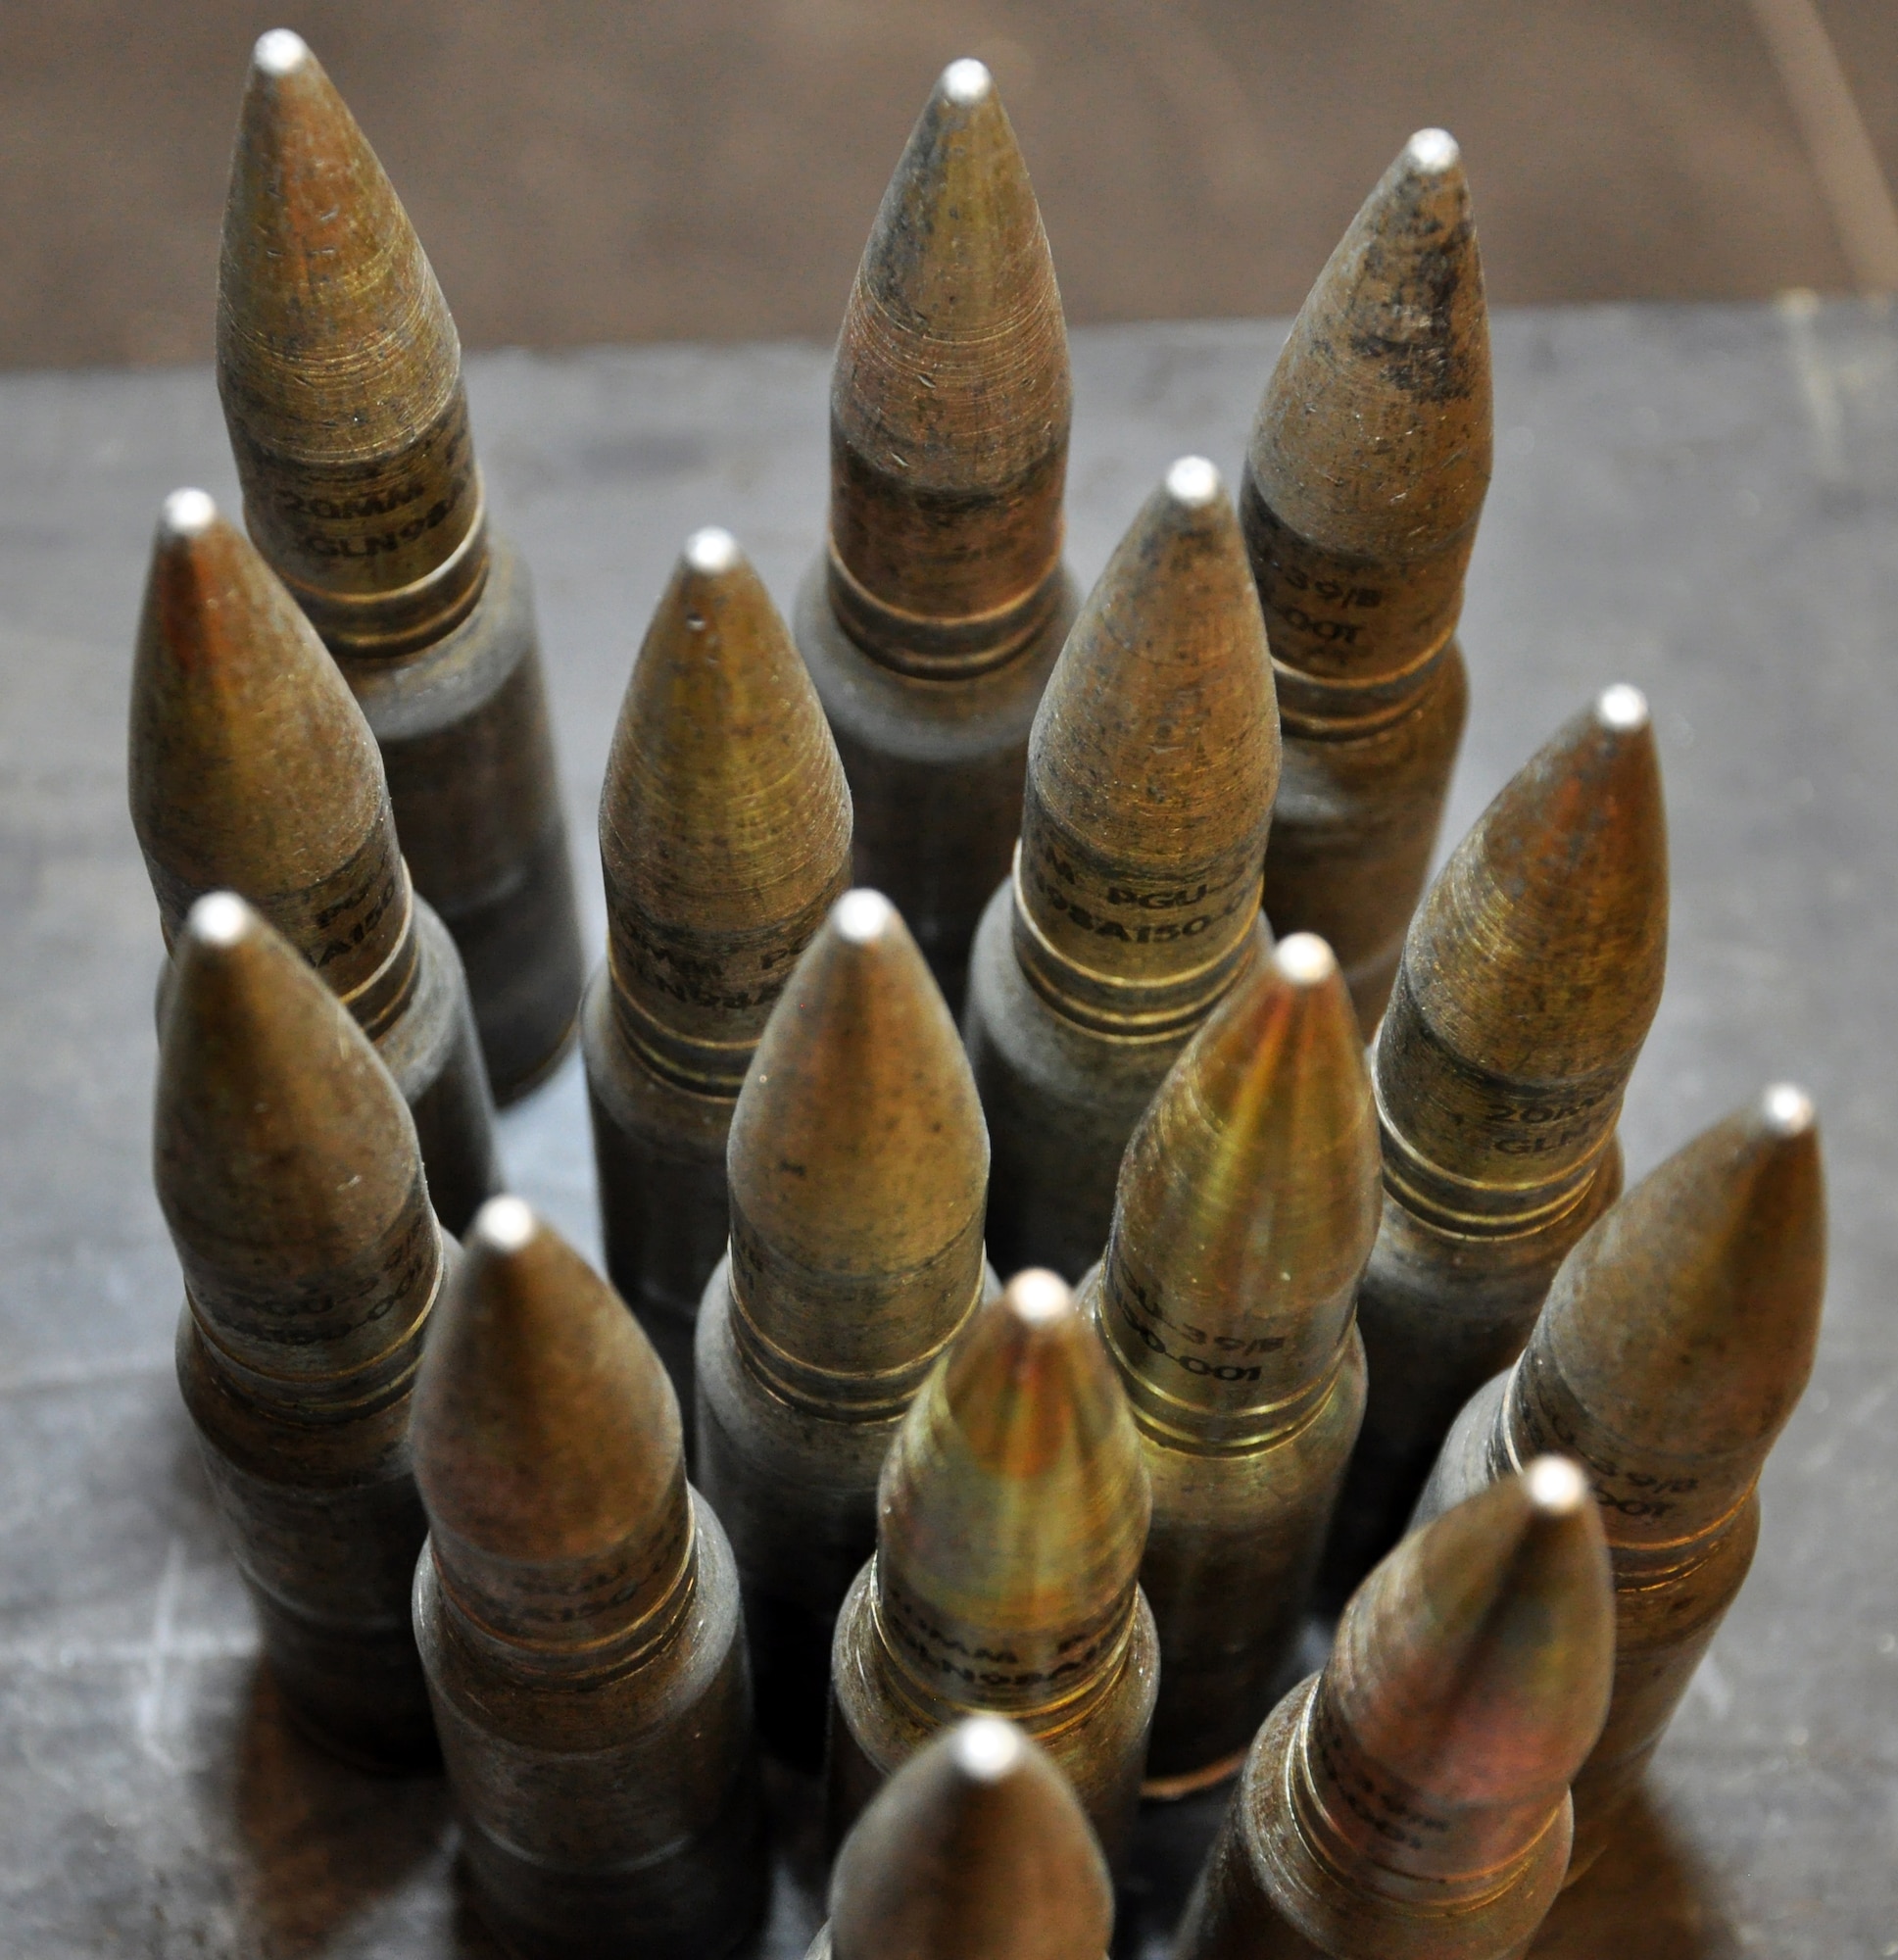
[[582, 170]]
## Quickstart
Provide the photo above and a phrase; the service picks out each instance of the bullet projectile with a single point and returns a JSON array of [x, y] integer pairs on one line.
[[1135, 898], [1248, 1202], [288, 1168], [1413, 1798], [932, 619], [976, 1849], [252, 770], [341, 377], [579, 1616], [1363, 485], [1670, 1354], [858, 1167], [1011, 1517], [1529, 978], [725, 838]]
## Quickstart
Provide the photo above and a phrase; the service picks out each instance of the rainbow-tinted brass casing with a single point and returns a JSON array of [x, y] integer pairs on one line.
[[1363, 485], [1010, 1522], [252, 770], [287, 1169], [858, 1167], [976, 1849], [1135, 900], [1530, 976], [579, 1616], [341, 377], [1412, 1801], [937, 609], [1248, 1202], [725, 838], [1671, 1351]]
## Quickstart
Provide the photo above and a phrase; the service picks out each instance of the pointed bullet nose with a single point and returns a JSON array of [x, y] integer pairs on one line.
[[1250, 1195], [938, 1866], [547, 1437], [1475, 1663], [1153, 760], [1686, 1322], [726, 819], [284, 1157], [858, 1161], [1540, 948]]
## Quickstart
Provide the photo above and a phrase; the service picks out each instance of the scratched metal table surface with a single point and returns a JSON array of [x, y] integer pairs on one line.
[[1703, 502]]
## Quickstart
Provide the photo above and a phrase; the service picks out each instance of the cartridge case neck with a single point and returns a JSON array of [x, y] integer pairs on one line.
[[385, 550], [1378, 1830], [320, 1346], [1214, 1388], [598, 1612], [848, 1348], [1139, 956], [1479, 1153], [1664, 1514]]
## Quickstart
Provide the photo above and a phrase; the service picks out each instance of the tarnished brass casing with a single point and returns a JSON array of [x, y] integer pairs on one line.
[[1411, 1802], [1248, 1202], [341, 377], [1135, 898], [939, 603], [252, 770], [579, 1617], [1011, 1521], [1530, 976], [1363, 485], [1671, 1351], [976, 1849], [287, 1169], [859, 1168], [725, 838]]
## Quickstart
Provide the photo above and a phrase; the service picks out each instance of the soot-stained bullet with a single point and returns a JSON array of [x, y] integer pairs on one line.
[[937, 609], [1363, 485], [1011, 1521], [579, 1616], [1248, 1202], [1413, 1798], [725, 839], [252, 768], [976, 1849], [1135, 898], [1671, 1351], [858, 1167], [1530, 976], [287, 1169], [341, 377]]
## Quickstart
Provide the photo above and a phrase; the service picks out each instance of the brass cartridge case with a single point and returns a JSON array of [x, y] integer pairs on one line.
[[937, 609], [1248, 1202], [252, 770], [1133, 902], [725, 839], [1671, 1351], [1363, 485], [858, 1167], [341, 377], [976, 1849], [287, 1169], [1530, 976], [1011, 1517], [579, 1617], [1411, 1802]]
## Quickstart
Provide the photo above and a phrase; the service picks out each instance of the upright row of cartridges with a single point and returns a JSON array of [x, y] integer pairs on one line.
[[456, 1476]]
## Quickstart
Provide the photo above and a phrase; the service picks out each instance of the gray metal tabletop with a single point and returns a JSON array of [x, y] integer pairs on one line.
[[1701, 501]]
